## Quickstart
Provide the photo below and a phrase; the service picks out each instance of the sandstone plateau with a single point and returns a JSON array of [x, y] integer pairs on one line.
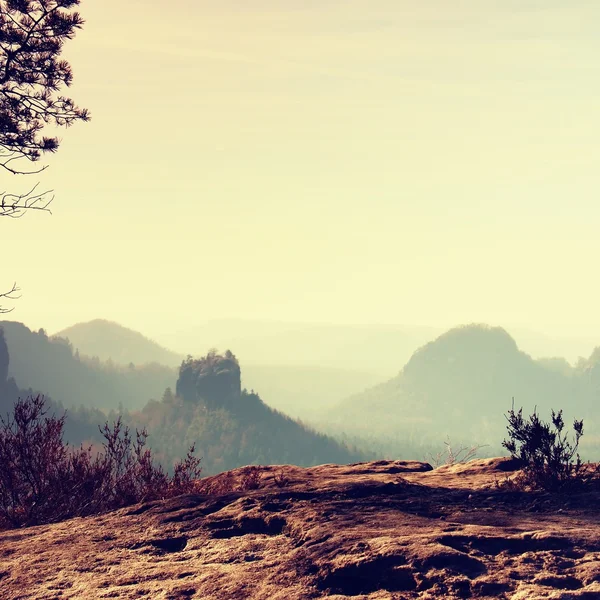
[[386, 529]]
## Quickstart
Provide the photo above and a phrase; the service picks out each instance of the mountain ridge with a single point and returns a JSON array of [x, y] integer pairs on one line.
[[462, 383], [298, 390], [97, 337]]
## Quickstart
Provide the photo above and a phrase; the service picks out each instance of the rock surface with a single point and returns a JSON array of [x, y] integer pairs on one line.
[[380, 530]]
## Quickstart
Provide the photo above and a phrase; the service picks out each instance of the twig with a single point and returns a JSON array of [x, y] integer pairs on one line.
[[10, 295], [15, 205]]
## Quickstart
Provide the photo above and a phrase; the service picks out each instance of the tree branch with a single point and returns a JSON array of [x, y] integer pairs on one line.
[[15, 205], [7, 156], [10, 295]]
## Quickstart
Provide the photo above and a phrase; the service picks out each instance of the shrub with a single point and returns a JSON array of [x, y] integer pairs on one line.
[[186, 475], [251, 478], [281, 479], [33, 461], [550, 462], [43, 479], [451, 456]]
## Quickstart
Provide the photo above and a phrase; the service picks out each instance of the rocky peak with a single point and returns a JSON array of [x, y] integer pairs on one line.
[[465, 347], [214, 380]]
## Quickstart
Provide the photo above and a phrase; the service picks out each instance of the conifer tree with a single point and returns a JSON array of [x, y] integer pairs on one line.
[[32, 78]]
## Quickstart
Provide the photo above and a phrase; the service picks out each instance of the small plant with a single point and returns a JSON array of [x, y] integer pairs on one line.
[[280, 479], [251, 479], [452, 457], [550, 461], [187, 473], [127, 470], [509, 484]]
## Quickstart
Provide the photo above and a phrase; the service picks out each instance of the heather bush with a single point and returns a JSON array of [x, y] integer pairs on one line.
[[43, 479], [550, 461], [186, 475]]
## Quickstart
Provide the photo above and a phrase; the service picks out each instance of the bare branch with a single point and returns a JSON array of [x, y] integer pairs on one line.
[[7, 157], [10, 295], [16, 205], [453, 457]]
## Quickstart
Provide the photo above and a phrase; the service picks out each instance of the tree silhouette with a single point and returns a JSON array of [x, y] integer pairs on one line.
[[32, 36], [10, 295], [32, 74]]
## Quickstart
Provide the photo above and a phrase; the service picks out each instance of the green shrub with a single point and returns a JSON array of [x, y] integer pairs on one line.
[[550, 461]]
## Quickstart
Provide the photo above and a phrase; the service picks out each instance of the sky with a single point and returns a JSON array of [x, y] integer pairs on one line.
[[340, 161]]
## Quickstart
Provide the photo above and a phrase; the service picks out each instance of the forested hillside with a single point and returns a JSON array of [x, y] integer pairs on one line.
[[461, 385], [110, 341], [52, 366], [299, 390], [8, 387], [230, 426]]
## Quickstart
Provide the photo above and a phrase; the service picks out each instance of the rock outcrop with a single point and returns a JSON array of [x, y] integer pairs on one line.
[[214, 380], [380, 530], [8, 387]]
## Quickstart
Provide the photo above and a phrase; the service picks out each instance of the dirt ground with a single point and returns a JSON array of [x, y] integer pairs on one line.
[[380, 530]]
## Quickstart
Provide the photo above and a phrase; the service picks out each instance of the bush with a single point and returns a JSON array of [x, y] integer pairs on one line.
[[550, 462], [186, 475], [251, 478], [43, 479], [281, 479]]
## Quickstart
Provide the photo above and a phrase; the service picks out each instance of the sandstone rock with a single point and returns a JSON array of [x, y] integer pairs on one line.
[[383, 530]]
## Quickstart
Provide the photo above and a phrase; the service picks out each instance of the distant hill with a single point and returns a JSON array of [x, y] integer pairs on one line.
[[461, 385], [377, 349], [51, 366], [230, 426], [380, 349], [109, 340], [298, 390], [8, 387]]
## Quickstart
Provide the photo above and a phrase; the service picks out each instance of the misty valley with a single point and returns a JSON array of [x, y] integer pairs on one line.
[[455, 389]]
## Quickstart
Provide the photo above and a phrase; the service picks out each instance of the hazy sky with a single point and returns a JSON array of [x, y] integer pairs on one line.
[[373, 161]]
